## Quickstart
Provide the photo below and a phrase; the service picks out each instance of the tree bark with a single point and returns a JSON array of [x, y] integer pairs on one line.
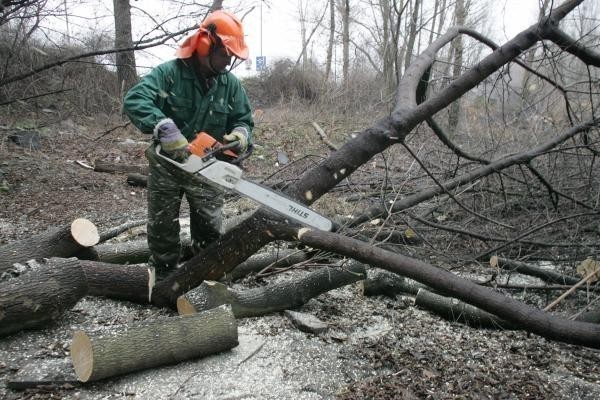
[[133, 252], [137, 180], [386, 283], [126, 68], [545, 275], [272, 298], [152, 343], [330, 41], [58, 242], [116, 168], [459, 311], [119, 282], [460, 14], [346, 42], [41, 296]]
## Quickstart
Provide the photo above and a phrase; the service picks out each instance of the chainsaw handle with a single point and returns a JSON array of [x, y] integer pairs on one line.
[[242, 157]]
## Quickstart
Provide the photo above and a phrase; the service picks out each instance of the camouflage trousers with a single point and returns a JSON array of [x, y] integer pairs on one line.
[[167, 185]]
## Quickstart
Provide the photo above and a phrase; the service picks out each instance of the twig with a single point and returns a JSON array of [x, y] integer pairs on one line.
[[83, 164], [114, 128], [568, 292], [324, 137], [252, 354]]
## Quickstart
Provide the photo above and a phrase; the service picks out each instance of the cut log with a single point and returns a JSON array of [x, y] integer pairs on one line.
[[119, 282], [140, 180], [41, 296], [459, 311], [386, 283], [133, 252], [277, 259], [272, 298], [58, 242], [105, 166], [152, 343]]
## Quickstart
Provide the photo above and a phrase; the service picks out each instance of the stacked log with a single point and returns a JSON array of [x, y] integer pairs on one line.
[[42, 297], [65, 241]]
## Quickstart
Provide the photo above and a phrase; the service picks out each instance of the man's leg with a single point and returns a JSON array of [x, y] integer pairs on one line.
[[206, 205], [164, 202]]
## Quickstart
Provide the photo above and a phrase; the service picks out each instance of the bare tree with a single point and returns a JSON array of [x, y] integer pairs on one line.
[[126, 70], [345, 41], [331, 40]]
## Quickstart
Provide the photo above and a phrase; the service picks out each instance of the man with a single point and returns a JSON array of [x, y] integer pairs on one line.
[[175, 101]]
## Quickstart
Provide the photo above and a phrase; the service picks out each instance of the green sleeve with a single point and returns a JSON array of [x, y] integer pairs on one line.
[[241, 112], [143, 102]]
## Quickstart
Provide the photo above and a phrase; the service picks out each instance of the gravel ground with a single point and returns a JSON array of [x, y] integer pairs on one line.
[[376, 347]]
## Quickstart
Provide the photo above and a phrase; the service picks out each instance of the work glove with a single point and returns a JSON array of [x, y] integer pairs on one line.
[[172, 142], [241, 135]]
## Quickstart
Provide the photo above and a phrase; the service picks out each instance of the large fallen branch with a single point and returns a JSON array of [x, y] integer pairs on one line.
[[152, 343], [58, 242], [459, 311], [511, 310], [272, 298], [39, 297]]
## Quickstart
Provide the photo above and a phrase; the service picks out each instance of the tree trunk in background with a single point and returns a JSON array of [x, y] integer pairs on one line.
[[331, 39], [458, 50], [531, 56], [302, 15], [433, 21], [410, 43], [126, 71], [346, 41]]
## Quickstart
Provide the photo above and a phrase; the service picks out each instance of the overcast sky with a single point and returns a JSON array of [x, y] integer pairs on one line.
[[280, 27]]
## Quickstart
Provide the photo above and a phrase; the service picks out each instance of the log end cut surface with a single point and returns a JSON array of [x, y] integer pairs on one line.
[[84, 232], [185, 307], [82, 355]]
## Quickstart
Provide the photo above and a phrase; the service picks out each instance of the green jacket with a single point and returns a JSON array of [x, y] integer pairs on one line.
[[172, 90]]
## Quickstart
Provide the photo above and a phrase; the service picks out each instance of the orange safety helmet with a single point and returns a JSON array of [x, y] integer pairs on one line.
[[220, 28]]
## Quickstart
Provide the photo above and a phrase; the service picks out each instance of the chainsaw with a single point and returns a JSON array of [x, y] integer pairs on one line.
[[215, 163]]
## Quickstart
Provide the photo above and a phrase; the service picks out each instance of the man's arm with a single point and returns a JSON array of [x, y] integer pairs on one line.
[[241, 112], [144, 102]]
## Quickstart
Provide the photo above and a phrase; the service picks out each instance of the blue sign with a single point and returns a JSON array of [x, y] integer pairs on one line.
[[261, 63]]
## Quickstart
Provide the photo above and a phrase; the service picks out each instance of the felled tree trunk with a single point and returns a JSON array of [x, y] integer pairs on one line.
[[151, 344], [119, 282], [520, 314], [272, 298], [458, 311], [58, 242], [104, 166], [41, 296]]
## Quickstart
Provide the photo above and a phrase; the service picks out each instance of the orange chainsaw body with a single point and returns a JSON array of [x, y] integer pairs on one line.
[[204, 144]]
